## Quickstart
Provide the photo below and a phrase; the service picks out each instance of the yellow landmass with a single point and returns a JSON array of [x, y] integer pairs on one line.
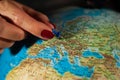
[[34, 69]]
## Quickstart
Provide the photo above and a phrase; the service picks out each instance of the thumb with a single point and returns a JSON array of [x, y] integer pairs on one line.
[[24, 21]]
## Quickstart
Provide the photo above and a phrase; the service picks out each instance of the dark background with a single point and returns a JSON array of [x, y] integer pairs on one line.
[[48, 6]]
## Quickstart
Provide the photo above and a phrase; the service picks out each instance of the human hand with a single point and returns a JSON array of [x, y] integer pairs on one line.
[[16, 19]]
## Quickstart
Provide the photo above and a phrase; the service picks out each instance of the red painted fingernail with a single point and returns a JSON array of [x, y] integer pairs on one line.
[[53, 25], [47, 34]]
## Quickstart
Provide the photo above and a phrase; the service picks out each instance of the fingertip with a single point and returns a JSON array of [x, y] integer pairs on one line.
[[44, 16], [20, 35], [1, 51], [52, 24], [40, 30], [46, 34]]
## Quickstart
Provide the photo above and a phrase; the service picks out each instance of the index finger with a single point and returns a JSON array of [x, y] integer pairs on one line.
[[24, 21]]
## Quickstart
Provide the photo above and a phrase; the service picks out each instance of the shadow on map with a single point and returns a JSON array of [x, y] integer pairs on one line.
[[29, 41]]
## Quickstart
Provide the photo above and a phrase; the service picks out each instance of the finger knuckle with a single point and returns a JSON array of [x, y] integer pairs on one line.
[[5, 4]]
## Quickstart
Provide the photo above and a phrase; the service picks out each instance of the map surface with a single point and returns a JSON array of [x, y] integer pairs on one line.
[[88, 49]]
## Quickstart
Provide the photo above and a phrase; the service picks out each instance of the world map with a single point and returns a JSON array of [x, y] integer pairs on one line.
[[88, 49]]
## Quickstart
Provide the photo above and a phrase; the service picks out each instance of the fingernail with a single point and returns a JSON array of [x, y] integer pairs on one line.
[[47, 34], [53, 25]]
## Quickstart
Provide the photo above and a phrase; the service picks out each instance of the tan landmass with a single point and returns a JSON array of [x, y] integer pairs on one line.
[[34, 69]]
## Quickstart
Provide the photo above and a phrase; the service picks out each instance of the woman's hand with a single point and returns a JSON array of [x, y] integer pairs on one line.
[[16, 19]]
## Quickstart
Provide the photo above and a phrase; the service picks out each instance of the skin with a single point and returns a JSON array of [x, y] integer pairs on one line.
[[15, 21]]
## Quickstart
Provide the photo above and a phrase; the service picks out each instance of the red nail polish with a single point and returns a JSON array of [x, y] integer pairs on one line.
[[53, 25], [47, 34]]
